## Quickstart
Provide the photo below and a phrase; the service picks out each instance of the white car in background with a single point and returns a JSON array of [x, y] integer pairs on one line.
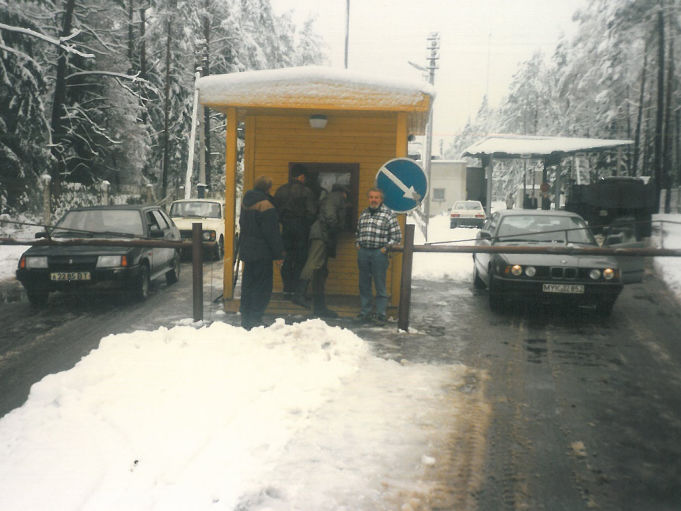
[[467, 213], [210, 213]]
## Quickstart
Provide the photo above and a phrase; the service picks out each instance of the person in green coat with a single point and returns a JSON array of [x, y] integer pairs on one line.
[[323, 239]]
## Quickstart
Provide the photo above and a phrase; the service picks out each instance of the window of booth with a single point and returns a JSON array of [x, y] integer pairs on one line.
[[328, 174]]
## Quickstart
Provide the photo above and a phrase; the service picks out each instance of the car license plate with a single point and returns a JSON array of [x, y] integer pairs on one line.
[[575, 289], [70, 275]]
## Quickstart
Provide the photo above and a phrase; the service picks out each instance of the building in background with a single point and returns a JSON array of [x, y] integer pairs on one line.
[[447, 184]]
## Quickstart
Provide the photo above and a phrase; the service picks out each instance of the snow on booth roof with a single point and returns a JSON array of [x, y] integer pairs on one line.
[[517, 146], [314, 87]]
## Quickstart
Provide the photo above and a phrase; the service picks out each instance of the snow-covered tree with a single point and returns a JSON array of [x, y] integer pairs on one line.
[[24, 125], [102, 89]]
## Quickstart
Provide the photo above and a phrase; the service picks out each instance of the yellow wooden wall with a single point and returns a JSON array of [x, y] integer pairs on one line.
[[369, 139]]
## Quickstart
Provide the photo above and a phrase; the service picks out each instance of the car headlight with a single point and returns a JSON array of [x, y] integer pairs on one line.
[[36, 262], [609, 274], [110, 261], [595, 274], [208, 235], [530, 271], [516, 270]]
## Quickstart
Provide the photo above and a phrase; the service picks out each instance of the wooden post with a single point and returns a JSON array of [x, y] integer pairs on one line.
[[401, 144], [230, 204], [405, 282], [197, 270]]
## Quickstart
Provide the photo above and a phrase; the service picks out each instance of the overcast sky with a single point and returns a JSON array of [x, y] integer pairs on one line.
[[386, 34]]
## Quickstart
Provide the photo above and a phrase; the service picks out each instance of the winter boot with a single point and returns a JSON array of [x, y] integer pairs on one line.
[[319, 308], [299, 295]]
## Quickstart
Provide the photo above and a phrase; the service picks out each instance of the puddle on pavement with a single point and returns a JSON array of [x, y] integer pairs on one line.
[[536, 350]]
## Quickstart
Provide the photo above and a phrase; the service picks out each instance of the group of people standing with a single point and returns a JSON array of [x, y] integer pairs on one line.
[[311, 219]]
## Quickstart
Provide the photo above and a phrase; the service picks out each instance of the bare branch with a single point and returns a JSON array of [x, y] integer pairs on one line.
[[133, 78], [57, 42]]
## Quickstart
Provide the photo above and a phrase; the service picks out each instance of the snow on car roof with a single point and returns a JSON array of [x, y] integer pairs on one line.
[[314, 87], [198, 200], [518, 146], [536, 212]]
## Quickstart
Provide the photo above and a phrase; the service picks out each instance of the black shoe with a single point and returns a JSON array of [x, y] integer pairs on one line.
[[325, 313], [380, 320], [300, 300], [363, 318]]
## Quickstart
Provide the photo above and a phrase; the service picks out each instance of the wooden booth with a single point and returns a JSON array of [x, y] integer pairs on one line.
[[341, 124]]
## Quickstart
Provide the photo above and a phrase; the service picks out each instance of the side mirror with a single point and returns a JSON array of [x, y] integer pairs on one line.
[[613, 239], [41, 234], [484, 235], [155, 232]]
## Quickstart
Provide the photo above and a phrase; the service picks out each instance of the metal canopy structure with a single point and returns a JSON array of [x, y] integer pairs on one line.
[[510, 146], [549, 149]]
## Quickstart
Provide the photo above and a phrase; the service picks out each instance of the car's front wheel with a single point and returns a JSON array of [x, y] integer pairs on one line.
[[219, 249], [140, 289], [38, 297], [496, 300], [478, 283], [173, 275], [605, 306]]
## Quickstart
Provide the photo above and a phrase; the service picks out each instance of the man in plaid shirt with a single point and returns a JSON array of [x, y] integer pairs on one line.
[[377, 231]]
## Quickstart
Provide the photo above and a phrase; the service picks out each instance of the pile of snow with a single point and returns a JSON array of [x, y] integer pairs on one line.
[[290, 417]]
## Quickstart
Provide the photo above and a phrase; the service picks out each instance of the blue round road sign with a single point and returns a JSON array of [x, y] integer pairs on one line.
[[404, 184]]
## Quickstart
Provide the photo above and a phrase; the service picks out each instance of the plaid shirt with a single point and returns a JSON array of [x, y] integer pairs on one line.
[[379, 229]]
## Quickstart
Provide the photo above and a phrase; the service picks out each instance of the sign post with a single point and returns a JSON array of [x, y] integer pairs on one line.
[[404, 184]]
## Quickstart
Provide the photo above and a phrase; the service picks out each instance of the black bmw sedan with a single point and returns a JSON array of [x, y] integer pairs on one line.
[[580, 279]]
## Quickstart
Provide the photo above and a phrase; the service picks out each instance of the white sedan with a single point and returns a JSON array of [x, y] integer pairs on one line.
[[467, 213], [210, 213]]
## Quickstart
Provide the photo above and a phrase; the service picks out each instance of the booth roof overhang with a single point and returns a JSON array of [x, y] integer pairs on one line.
[[316, 89], [538, 147]]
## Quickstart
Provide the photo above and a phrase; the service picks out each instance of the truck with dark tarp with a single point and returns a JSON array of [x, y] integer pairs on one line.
[[614, 202]]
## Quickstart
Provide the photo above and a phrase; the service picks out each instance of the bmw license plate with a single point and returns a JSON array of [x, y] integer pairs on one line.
[[574, 289], [70, 275]]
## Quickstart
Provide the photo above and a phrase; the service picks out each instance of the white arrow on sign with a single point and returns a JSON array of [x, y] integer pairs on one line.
[[410, 193]]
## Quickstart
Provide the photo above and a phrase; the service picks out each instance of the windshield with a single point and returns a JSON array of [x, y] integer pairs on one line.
[[195, 209], [545, 228], [467, 205], [106, 221]]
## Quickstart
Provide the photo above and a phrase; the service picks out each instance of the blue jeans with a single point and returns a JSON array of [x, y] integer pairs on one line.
[[373, 265]]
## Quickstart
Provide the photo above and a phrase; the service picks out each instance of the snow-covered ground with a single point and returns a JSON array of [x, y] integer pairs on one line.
[[669, 236], [9, 254], [301, 416], [443, 266]]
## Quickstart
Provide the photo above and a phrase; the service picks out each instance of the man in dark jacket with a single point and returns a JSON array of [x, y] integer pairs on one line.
[[297, 210], [323, 237], [260, 244]]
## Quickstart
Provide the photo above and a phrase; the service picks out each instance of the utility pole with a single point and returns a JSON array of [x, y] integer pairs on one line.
[[433, 56], [347, 30]]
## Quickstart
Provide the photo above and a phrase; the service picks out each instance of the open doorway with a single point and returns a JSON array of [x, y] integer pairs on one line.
[[329, 174]]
